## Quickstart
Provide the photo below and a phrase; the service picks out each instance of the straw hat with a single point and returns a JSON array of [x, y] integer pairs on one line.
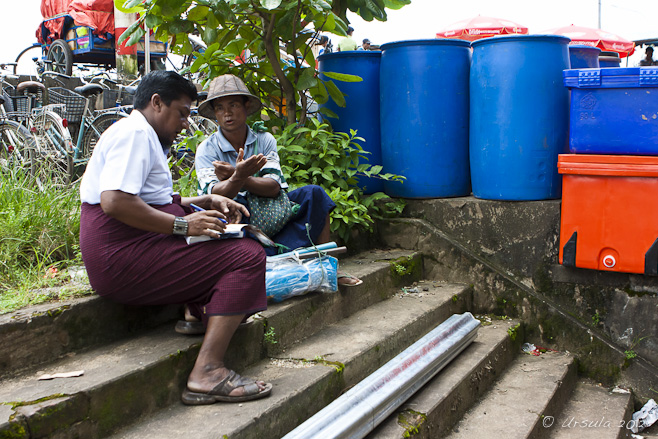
[[227, 85]]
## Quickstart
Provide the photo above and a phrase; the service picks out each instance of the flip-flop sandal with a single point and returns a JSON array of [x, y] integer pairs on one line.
[[190, 328], [349, 276], [195, 328], [222, 390]]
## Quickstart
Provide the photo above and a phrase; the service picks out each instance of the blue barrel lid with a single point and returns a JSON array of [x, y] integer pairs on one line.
[[426, 42], [611, 77], [584, 47], [351, 54], [507, 38]]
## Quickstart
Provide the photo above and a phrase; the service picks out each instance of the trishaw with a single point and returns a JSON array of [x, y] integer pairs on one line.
[[82, 31]]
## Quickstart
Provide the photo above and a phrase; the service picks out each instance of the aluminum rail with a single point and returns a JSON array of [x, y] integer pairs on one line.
[[357, 412]]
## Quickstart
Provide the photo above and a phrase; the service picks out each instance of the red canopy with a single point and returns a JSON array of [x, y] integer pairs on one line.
[[596, 38], [97, 14], [481, 27]]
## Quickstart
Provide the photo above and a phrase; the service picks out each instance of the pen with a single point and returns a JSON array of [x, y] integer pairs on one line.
[[201, 209]]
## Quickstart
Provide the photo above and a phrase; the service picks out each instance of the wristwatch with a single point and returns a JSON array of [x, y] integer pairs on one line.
[[180, 226]]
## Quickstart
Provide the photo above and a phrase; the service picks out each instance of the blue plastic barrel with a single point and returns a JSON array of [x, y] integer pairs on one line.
[[361, 111], [424, 117], [609, 59], [519, 118], [584, 57]]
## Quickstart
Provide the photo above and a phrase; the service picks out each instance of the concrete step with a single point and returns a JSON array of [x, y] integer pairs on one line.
[[531, 392], [593, 412], [118, 369], [433, 410], [37, 335], [312, 373]]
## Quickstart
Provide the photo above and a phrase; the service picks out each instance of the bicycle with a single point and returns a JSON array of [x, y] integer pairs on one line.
[[35, 135], [86, 123], [181, 153]]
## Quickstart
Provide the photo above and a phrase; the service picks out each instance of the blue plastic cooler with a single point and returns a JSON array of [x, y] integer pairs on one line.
[[613, 110]]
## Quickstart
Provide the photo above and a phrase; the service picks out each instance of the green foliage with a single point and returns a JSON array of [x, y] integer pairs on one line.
[[39, 228], [596, 319], [269, 38], [513, 331], [181, 163], [313, 154], [268, 44], [270, 336]]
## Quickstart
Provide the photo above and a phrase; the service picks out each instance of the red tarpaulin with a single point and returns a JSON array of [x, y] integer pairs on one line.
[[97, 14]]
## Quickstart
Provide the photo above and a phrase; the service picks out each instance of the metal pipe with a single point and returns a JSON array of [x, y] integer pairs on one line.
[[147, 50], [357, 412]]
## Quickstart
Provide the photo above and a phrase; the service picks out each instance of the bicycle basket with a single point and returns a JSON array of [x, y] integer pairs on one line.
[[74, 102], [9, 103], [19, 102], [110, 98]]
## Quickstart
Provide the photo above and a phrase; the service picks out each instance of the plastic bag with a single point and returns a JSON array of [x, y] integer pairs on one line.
[[291, 276], [645, 417]]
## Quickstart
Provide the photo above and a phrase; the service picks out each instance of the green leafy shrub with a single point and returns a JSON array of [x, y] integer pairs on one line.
[[314, 154]]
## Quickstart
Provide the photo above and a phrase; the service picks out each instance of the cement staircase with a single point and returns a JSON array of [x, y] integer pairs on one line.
[[135, 366]]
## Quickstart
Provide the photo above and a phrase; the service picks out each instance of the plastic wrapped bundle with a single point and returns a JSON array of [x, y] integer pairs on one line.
[[289, 277]]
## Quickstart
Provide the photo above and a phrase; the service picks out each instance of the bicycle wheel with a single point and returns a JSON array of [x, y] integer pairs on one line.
[[203, 124], [60, 57], [183, 157], [15, 141], [51, 158], [98, 126]]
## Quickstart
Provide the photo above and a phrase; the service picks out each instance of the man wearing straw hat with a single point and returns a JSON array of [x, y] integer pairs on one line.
[[236, 160]]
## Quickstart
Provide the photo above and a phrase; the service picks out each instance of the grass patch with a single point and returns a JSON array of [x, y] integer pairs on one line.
[[39, 240]]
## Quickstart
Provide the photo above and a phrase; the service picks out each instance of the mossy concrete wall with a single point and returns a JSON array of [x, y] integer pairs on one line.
[[508, 251]]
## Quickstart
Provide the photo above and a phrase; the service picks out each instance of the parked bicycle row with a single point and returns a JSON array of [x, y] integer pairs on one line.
[[51, 130]]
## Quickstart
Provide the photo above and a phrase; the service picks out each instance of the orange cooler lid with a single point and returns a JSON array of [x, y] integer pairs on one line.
[[608, 165]]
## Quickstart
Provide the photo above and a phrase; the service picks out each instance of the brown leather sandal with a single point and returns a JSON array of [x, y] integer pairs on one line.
[[222, 390]]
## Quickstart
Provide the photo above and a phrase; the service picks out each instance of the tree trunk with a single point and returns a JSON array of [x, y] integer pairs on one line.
[[274, 57]]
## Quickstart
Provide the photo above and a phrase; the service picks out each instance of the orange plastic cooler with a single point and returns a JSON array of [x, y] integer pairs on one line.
[[609, 212]]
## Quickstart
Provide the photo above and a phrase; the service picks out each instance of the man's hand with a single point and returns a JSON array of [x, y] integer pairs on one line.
[[208, 222], [246, 168], [223, 170], [232, 210]]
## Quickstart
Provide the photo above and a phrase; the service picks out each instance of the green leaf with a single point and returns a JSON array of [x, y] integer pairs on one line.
[[396, 4], [335, 93], [321, 4], [198, 13], [306, 80], [295, 148], [376, 169], [181, 27], [129, 6], [344, 77], [136, 36], [270, 4], [151, 21], [127, 33]]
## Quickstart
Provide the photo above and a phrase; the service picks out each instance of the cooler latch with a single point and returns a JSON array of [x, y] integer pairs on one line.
[[589, 78], [648, 76]]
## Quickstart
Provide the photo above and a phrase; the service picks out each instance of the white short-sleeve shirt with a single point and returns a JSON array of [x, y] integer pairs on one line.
[[129, 158]]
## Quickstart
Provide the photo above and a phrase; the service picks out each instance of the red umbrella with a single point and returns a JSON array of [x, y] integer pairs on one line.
[[596, 38], [481, 27]]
